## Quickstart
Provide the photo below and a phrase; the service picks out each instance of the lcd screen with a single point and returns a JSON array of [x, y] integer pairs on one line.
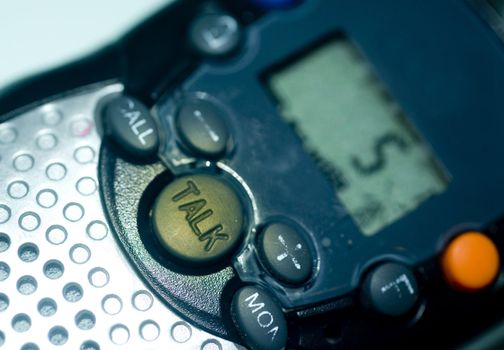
[[379, 165]]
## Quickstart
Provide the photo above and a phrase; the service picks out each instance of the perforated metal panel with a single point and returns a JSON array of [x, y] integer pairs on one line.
[[64, 282]]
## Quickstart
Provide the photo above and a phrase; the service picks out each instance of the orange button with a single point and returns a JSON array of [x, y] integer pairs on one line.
[[470, 262]]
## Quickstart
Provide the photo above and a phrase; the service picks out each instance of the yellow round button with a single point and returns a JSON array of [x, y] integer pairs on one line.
[[198, 218], [470, 262]]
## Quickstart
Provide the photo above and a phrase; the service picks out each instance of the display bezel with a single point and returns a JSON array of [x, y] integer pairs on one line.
[[286, 86]]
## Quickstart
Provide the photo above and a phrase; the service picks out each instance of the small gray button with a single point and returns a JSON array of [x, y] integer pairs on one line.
[[286, 253], [131, 126], [259, 319], [201, 127], [390, 289], [215, 34]]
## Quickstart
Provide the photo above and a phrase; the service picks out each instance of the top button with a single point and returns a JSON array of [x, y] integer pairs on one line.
[[131, 126], [202, 128], [215, 34], [272, 4], [470, 262]]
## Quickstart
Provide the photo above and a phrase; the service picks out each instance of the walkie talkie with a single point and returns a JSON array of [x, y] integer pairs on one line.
[[309, 174]]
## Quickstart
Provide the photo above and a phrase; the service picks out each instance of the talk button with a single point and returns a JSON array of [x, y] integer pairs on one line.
[[198, 218]]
